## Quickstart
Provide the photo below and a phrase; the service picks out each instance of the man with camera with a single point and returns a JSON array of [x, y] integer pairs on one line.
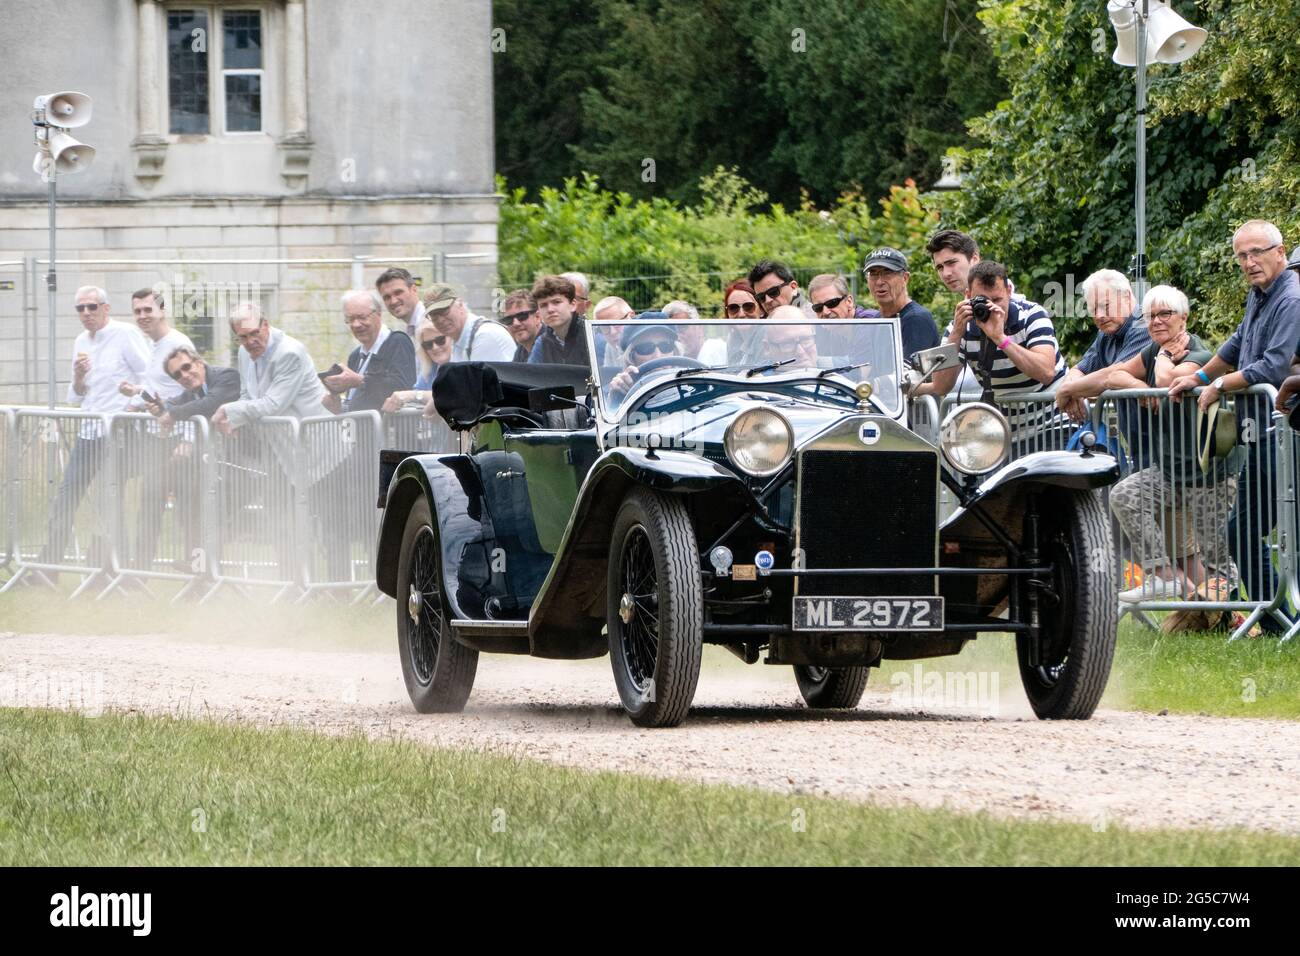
[[1011, 347]]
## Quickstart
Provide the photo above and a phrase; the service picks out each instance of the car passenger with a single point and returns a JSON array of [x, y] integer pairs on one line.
[[794, 339]]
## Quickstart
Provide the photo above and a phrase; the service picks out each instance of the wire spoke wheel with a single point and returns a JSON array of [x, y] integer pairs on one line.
[[424, 626], [640, 634], [438, 670], [655, 602]]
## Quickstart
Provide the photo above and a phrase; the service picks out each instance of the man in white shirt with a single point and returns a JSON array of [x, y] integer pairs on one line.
[[150, 311], [148, 454], [474, 338], [106, 353]]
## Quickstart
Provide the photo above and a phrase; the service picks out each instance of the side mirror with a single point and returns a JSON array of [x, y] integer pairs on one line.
[[922, 365], [929, 361]]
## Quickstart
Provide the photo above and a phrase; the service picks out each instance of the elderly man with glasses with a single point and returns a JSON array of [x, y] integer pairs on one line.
[[106, 353], [1259, 352], [382, 363]]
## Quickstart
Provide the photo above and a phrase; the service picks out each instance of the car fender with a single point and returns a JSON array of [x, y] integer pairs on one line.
[[451, 485], [1057, 469], [569, 611]]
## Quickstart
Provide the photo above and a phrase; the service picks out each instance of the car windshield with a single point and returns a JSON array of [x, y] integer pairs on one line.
[[626, 355]]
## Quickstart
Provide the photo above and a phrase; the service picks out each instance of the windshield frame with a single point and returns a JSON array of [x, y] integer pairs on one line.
[[779, 378]]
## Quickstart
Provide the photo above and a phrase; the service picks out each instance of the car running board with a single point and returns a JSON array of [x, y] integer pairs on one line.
[[470, 628]]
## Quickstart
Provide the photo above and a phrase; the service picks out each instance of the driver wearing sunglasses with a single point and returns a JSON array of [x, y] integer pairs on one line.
[[641, 346]]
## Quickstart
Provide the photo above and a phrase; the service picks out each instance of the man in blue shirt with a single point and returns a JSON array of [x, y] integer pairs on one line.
[[1259, 352], [1121, 334]]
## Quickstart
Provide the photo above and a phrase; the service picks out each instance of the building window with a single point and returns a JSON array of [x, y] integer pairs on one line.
[[233, 55]]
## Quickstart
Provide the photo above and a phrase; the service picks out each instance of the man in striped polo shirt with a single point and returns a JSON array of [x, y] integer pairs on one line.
[[1012, 352]]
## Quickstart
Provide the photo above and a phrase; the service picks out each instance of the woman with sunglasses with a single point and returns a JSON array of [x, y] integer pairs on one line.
[[432, 351], [744, 344]]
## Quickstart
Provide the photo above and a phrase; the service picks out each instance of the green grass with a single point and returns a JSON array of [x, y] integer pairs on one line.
[[131, 790]]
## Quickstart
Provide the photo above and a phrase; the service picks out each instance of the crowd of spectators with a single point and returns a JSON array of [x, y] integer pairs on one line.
[[1008, 346]]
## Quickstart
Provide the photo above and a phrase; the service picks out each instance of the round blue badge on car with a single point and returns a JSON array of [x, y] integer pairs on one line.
[[764, 560], [869, 433]]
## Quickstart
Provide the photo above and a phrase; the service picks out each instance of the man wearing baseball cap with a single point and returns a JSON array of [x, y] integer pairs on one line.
[[887, 278], [474, 338]]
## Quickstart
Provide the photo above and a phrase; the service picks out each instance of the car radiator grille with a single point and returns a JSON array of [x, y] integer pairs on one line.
[[863, 509]]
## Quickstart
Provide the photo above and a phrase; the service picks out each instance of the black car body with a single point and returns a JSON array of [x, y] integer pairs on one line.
[[806, 510]]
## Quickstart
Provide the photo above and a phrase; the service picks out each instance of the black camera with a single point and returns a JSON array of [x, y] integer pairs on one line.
[[980, 307]]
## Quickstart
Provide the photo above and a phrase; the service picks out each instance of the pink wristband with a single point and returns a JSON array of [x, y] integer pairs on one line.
[[1003, 344]]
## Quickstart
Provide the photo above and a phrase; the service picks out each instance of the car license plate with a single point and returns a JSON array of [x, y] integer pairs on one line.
[[868, 614]]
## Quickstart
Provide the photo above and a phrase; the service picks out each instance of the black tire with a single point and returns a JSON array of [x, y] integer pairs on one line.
[[1079, 629], [656, 638], [831, 688], [438, 670]]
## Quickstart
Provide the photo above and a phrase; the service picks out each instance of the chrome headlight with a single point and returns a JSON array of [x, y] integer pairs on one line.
[[975, 438], [759, 442]]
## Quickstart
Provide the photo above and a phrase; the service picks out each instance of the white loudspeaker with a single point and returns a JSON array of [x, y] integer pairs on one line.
[[1170, 38], [70, 156], [1124, 20], [66, 109]]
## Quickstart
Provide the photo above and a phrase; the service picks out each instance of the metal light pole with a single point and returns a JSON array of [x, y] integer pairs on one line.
[[53, 114], [1140, 201], [1147, 30], [51, 289]]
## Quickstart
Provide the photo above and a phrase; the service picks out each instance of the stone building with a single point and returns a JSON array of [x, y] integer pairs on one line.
[[234, 141]]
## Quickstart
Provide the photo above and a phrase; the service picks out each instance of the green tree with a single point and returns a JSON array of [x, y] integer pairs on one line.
[[551, 57], [1049, 182], [797, 95]]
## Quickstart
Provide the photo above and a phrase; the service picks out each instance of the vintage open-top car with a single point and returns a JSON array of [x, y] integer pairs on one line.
[[794, 500]]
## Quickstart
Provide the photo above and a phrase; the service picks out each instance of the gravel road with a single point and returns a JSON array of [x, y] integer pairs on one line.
[[748, 727]]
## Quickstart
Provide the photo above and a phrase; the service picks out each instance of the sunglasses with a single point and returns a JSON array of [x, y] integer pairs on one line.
[[89, 307], [514, 317], [820, 307], [181, 370], [436, 342], [645, 348], [735, 308], [773, 292]]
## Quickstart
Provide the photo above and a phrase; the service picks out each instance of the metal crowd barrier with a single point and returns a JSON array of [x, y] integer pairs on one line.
[[923, 417], [57, 507], [8, 452], [258, 509], [339, 472], [289, 505], [409, 430], [1226, 535], [161, 483]]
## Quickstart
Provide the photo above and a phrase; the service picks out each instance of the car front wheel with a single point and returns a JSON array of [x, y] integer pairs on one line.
[[1079, 616], [438, 670], [655, 608]]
